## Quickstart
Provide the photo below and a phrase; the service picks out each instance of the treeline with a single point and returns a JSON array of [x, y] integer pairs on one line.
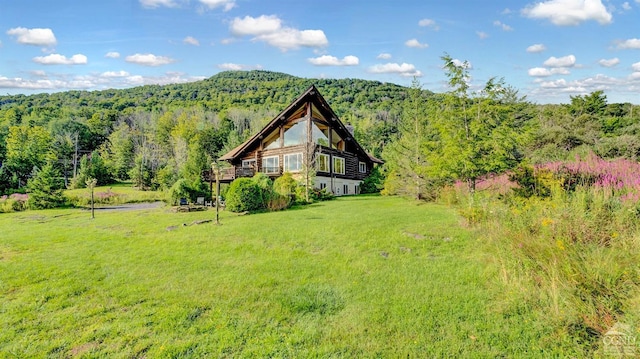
[[155, 135]]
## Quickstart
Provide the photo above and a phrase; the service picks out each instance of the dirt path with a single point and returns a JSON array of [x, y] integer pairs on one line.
[[130, 206]]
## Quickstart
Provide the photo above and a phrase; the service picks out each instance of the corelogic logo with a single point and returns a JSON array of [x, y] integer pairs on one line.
[[620, 341]]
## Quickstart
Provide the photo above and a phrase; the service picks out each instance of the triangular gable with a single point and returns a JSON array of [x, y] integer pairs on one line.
[[320, 109]]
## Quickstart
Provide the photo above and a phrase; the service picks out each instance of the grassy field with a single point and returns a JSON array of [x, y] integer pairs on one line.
[[355, 277]]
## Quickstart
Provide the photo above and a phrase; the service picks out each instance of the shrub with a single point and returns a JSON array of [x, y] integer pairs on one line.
[[244, 195], [266, 188], [180, 189], [14, 203], [285, 185], [373, 183]]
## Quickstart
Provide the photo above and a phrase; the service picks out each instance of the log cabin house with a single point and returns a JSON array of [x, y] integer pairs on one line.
[[307, 131]]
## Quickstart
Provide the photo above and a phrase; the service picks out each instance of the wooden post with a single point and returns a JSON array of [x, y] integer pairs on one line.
[[91, 183], [215, 168]]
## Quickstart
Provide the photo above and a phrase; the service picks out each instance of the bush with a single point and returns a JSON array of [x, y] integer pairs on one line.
[[373, 183], [180, 189], [286, 186], [266, 188], [244, 195], [14, 203]]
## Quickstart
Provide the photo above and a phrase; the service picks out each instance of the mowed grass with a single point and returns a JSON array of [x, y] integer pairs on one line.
[[355, 277]]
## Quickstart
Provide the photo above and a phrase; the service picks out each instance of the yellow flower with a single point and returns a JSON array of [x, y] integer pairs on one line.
[[546, 222], [560, 245]]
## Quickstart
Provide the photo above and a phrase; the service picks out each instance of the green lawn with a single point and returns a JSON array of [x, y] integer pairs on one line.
[[355, 277]]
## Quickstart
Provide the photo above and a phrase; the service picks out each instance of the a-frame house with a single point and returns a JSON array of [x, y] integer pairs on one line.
[[307, 130]]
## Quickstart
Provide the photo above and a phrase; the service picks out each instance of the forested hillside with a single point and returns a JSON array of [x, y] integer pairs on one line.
[[155, 135]]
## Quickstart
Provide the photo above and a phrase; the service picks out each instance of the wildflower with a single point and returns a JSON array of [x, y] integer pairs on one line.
[[546, 222], [560, 245]]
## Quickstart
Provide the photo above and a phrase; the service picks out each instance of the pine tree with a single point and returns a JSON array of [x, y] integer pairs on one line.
[[45, 188]]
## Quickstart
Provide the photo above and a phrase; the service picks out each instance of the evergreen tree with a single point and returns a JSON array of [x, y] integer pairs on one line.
[[45, 188]]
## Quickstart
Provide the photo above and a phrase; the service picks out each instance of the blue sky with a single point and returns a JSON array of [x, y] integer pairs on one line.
[[549, 50]]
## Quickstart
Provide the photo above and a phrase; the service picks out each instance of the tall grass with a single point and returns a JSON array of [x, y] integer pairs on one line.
[[572, 253]]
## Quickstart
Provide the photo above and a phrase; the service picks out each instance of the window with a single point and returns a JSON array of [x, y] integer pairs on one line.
[[338, 165], [362, 166], [293, 162], [320, 134], [323, 162], [272, 141], [346, 189], [296, 134], [271, 165], [336, 141], [248, 163], [323, 185]]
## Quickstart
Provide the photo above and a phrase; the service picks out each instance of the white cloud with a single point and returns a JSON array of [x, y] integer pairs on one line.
[[112, 55], [255, 26], [39, 73], [152, 4], [626, 6], [506, 11], [569, 12], [544, 72], [191, 41], [463, 64], [106, 80], [636, 67], [289, 38], [565, 61], [502, 25], [416, 44], [384, 56], [238, 67], [482, 35], [269, 29], [609, 62], [37, 36], [539, 72], [327, 60], [110, 74], [536, 48], [226, 5], [149, 60], [629, 44], [57, 59], [635, 76], [429, 23], [404, 69]]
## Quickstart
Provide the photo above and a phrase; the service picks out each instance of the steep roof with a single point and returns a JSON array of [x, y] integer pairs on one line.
[[310, 95]]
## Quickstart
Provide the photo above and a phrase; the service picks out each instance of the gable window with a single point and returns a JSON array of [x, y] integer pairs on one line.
[[271, 165], [336, 141], [293, 162], [338, 165], [362, 167], [272, 141], [323, 162], [320, 134], [295, 134]]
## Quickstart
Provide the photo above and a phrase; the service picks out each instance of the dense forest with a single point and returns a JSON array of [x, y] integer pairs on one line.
[[156, 135]]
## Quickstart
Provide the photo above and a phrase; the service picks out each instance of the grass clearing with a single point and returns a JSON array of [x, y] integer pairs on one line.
[[355, 277]]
